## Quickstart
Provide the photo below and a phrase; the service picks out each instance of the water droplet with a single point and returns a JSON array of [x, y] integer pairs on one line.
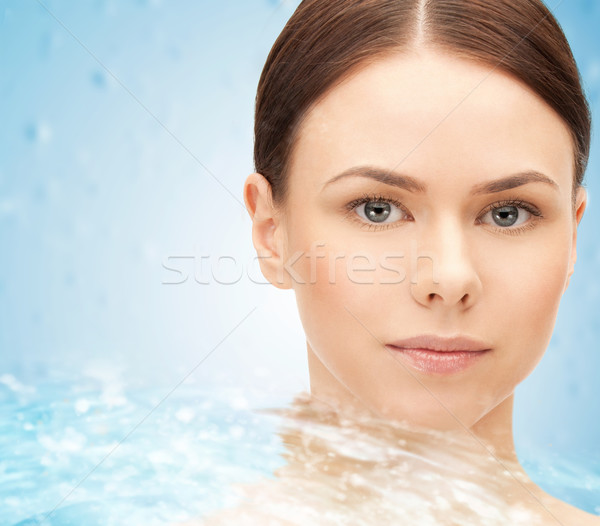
[[38, 132], [99, 79], [82, 406], [185, 415]]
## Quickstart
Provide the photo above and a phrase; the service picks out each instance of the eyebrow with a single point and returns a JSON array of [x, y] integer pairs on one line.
[[513, 181], [388, 177], [410, 184]]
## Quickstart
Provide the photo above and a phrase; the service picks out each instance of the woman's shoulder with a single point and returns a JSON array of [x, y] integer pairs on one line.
[[564, 513], [570, 515]]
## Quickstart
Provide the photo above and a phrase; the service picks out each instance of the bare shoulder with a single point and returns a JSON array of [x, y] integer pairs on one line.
[[588, 519], [568, 515]]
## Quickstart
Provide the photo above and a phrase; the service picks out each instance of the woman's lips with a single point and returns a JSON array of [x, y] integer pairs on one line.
[[437, 355]]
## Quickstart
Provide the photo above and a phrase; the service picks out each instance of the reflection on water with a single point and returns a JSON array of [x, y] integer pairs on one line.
[[342, 471]]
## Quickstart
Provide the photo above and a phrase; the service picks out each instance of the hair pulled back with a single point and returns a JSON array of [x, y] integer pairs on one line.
[[325, 40]]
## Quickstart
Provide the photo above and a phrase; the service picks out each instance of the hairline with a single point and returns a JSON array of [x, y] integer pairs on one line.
[[418, 44]]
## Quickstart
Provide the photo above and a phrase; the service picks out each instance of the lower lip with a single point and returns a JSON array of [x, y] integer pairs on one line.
[[439, 362]]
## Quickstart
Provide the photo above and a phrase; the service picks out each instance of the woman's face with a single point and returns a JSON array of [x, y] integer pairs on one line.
[[453, 219]]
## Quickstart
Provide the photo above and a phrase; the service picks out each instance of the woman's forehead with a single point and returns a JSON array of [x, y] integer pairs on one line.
[[433, 113]]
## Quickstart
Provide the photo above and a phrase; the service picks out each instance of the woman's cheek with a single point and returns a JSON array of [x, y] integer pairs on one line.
[[526, 301], [340, 283]]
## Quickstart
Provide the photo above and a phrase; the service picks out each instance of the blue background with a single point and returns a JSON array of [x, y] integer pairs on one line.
[[125, 138]]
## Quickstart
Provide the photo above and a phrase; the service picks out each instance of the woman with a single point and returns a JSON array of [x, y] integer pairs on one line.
[[419, 168]]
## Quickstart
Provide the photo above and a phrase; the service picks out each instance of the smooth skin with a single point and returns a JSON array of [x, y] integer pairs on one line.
[[441, 128]]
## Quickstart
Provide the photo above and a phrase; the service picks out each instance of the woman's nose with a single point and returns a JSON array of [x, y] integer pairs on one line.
[[443, 273]]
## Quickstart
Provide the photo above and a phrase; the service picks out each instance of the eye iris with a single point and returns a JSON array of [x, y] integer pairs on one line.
[[506, 215], [377, 211]]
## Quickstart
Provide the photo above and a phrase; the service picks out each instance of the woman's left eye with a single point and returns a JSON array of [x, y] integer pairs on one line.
[[507, 215], [379, 211]]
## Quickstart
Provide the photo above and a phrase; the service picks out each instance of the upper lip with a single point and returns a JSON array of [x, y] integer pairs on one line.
[[432, 342]]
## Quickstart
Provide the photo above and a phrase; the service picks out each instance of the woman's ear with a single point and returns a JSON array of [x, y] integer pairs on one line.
[[580, 204], [268, 230]]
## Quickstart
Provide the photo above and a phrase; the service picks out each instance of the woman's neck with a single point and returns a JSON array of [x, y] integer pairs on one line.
[[492, 434]]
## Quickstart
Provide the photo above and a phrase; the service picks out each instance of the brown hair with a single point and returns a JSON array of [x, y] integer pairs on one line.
[[324, 41]]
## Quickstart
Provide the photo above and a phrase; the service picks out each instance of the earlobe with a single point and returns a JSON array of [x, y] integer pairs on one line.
[[580, 204], [267, 229]]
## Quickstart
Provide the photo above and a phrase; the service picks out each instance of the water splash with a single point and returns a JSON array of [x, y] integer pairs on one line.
[[347, 471], [209, 449]]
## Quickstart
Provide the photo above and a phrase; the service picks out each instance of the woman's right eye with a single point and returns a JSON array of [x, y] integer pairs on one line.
[[378, 211]]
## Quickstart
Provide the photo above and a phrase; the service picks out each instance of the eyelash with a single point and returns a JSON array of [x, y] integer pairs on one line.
[[366, 198], [533, 210]]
